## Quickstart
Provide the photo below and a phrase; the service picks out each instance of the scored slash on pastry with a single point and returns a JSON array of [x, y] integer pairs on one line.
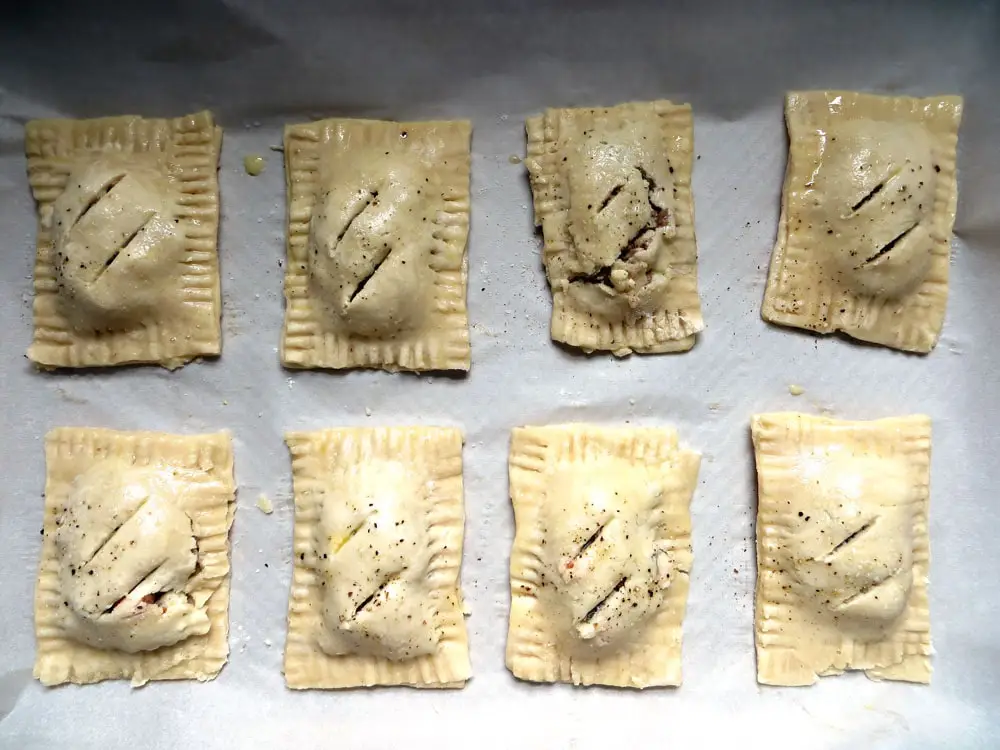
[[867, 210]]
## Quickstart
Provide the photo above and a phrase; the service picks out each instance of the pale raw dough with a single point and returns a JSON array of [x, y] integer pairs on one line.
[[869, 201], [612, 196], [842, 548], [602, 554], [379, 523], [378, 218], [134, 574], [127, 266]]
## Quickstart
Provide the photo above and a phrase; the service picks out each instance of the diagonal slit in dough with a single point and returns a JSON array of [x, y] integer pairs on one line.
[[123, 246], [352, 532], [603, 603], [111, 534], [590, 541], [96, 198], [851, 537], [865, 200], [888, 246], [142, 580], [867, 589], [371, 197], [371, 597], [364, 282], [610, 197]]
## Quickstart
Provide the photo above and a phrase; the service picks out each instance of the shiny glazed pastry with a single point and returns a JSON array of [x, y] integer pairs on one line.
[[378, 223], [127, 265], [867, 212]]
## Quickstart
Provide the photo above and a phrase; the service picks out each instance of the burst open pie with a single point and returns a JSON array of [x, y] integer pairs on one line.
[[868, 206], [379, 523], [612, 196], [842, 548], [134, 574], [127, 266], [378, 218], [602, 554]]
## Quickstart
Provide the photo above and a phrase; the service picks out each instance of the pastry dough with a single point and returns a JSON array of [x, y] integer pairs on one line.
[[842, 548], [602, 553], [378, 547], [869, 201], [127, 268], [378, 218], [134, 575], [612, 195]]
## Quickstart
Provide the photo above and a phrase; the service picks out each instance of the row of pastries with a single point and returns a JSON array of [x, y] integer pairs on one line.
[[127, 264], [135, 572]]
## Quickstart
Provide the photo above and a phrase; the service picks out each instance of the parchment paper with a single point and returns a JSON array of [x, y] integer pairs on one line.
[[259, 64]]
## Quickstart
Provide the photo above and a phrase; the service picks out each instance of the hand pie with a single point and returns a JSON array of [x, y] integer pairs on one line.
[[601, 557], [842, 548], [127, 268], [869, 202], [378, 547], [612, 195], [378, 217], [134, 575]]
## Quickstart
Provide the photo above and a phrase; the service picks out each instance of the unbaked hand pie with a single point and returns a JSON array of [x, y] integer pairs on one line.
[[379, 523], [127, 266], [134, 575], [378, 218], [612, 196], [602, 554], [842, 548], [869, 201]]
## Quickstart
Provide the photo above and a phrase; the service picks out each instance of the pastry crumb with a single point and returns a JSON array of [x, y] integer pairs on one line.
[[253, 164], [264, 504], [514, 159], [796, 390], [368, 412], [267, 642]]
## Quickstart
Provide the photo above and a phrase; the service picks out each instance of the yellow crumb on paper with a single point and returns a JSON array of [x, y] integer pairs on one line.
[[796, 390], [253, 164], [264, 503], [714, 406], [514, 159]]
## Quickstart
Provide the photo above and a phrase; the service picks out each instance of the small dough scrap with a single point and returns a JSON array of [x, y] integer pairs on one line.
[[842, 548], [134, 574], [612, 196], [867, 211], [602, 554], [379, 523], [378, 219], [127, 267]]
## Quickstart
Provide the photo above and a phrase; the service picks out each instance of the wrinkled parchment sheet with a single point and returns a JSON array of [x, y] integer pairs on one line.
[[257, 65]]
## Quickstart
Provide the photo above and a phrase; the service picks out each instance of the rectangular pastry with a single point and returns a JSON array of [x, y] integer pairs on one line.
[[378, 219], [612, 196]]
